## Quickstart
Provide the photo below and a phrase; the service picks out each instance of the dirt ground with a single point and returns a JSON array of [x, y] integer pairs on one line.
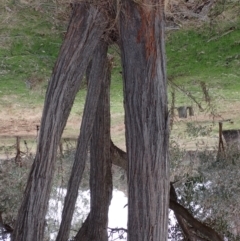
[[23, 123]]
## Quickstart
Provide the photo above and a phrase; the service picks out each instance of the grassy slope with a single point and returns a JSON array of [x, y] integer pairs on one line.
[[29, 45], [30, 42], [213, 57]]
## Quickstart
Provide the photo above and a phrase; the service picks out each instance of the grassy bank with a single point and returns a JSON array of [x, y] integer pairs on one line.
[[30, 38]]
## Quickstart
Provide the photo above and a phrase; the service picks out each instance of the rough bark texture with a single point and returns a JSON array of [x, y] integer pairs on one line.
[[83, 34], [146, 119], [100, 172], [97, 75]]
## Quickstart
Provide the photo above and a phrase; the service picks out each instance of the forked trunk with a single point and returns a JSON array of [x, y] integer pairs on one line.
[[98, 73], [146, 118], [72, 62], [100, 172]]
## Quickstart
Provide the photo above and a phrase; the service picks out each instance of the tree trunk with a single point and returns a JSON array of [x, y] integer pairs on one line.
[[100, 171], [72, 62], [97, 75], [146, 118], [188, 223]]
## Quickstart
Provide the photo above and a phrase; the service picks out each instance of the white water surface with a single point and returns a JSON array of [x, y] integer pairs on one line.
[[117, 211]]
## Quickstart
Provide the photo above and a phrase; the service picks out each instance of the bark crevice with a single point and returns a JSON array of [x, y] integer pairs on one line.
[[97, 75], [85, 29]]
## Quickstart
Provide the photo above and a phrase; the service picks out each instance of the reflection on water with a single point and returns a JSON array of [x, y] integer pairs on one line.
[[54, 215], [117, 212], [15, 173], [4, 237]]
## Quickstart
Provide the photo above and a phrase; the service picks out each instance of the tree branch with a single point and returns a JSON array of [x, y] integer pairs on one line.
[[184, 217], [187, 93], [210, 233], [185, 228], [118, 156]]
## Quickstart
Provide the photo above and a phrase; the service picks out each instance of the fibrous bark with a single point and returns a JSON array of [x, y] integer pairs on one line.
[[85, 29], [100, 172], [146, 118], [98, 73]]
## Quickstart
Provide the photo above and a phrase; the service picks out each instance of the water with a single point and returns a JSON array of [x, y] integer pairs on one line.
[[117, 212]]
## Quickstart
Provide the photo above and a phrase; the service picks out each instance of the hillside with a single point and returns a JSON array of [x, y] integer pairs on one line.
[[203, 49]]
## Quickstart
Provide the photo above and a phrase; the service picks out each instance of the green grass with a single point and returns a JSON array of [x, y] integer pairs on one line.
[[204, 55], [29, 45], [32, 49], [191, 55], [30, 41]]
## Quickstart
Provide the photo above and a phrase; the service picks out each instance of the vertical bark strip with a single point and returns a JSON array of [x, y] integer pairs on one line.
[[97, 75], [146, 118], [82, 36], [100, 171]]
